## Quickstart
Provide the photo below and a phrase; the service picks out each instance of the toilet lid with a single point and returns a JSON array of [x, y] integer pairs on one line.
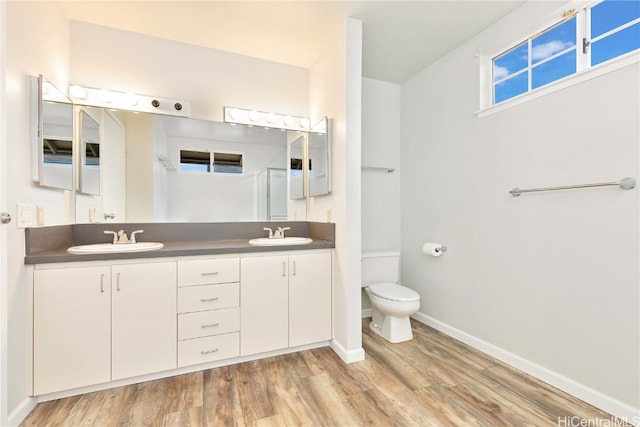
[[393, 292]]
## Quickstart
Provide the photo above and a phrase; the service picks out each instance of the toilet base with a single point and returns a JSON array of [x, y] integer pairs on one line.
[[393, 329]]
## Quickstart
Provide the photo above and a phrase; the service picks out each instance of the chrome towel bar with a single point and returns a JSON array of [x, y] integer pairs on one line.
[[625, 183]]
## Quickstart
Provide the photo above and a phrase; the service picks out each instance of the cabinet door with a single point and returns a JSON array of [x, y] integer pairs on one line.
[[144, 335], [264, 314], [309, 298], [71, 328]]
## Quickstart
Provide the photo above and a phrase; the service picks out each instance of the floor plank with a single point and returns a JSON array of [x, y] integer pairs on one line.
[[432, 380]]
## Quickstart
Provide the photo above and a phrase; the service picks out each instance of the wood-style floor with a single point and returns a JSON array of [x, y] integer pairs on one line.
[[432, 380]]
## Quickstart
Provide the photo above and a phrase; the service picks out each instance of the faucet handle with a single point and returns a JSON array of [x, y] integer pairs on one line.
[[281, 231], [115, 236], [270, 232], [132, 239]]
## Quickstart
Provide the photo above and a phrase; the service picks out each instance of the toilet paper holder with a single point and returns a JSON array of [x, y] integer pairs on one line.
[[442, 249]]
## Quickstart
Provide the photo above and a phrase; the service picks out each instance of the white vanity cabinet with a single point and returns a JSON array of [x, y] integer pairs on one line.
[[143, 319], [264, 303], [285, 300], [71, 328], [208, 309], [309, 298], [103, 322]]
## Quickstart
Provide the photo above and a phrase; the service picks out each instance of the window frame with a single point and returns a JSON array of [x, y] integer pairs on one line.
[[211, 166], [584, 69]]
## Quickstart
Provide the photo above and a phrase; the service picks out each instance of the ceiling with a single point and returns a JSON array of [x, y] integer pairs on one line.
[[400, 38]]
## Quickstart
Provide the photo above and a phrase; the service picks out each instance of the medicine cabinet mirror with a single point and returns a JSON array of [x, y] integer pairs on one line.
[[297, 170], [319, 153], [89, 151], [52, 117]]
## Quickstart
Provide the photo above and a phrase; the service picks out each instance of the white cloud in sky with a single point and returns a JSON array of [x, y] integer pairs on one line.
[[500, 72], [548, 49]]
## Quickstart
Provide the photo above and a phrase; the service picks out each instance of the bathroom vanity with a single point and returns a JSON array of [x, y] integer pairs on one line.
[[104, 320]]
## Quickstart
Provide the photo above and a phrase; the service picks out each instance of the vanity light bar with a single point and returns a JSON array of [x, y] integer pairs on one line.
[[128, 101], [263, 119]]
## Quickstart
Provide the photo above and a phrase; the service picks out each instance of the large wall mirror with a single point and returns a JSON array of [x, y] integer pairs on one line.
[[53, 135], [125, 166], [179, 169]]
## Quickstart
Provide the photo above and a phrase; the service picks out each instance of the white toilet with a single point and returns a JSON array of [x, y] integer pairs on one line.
[[392, 304]]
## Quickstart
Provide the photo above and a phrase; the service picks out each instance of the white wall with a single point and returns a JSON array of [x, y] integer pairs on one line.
[[335, 83], [208, 79], [37, 36], [380, 147], [550, 278]]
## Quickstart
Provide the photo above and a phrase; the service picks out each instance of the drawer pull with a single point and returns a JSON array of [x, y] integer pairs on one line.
[[213, 273], [210, 325], [208, 299], [209, 351]]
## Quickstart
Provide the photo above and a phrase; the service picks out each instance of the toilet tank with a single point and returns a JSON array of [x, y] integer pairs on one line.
[[380, 267]]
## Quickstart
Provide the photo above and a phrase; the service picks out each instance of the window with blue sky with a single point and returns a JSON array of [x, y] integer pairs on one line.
[[587, 38]]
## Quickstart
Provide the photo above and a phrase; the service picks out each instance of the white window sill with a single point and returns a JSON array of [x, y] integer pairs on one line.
[[574, 79]]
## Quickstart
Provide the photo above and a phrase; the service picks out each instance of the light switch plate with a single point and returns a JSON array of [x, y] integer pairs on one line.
[[26, 215]]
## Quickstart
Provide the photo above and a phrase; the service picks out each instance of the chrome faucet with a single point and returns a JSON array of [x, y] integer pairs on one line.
[[270, 232], [115, 236], [279, 234], [132, 239], [121, 236]]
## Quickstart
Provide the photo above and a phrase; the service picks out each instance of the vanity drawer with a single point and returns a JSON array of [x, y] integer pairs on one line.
[[208, 349], [206, 323], [208, 271], [208, 297]]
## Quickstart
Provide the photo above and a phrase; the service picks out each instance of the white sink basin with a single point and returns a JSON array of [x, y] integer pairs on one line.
[[109, 248], [265, 241]]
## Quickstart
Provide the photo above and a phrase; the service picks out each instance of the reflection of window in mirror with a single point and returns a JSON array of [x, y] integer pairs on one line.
[[227, 163], [92, 154], [57, 151], [201, 161], [296, 166]]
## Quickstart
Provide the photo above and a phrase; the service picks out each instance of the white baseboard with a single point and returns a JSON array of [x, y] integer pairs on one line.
[[22, 410], [347, 356], [619, 409]]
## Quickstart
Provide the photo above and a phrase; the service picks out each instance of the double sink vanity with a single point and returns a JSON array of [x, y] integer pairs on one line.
[[184, 297]]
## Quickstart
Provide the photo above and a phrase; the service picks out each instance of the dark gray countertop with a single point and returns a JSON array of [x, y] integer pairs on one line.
[[49, 244]]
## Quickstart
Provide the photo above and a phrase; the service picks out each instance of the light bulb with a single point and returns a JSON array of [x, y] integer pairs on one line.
[[77, 92], [253, 116], [130, 99], [234, 113], [271, 118], [287, 120], [106, 96], [304, 123]]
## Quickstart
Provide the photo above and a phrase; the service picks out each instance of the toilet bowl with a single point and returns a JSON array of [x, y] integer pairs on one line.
[[392, 303]]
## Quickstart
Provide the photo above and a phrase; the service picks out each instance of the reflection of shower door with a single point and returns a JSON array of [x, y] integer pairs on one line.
[[276, 194]]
